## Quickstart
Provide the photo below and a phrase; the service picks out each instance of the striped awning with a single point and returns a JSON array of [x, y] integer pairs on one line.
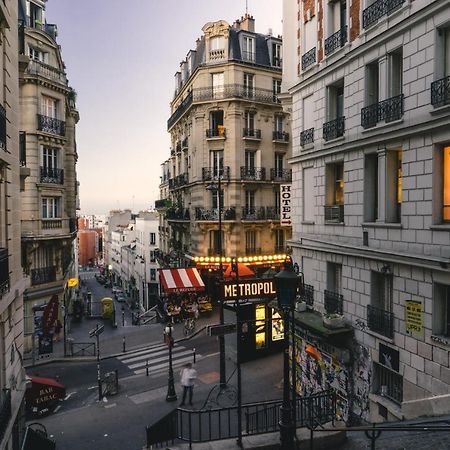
[[181, 280]]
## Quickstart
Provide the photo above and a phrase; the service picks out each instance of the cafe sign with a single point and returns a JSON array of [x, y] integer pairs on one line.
[[232, 290]]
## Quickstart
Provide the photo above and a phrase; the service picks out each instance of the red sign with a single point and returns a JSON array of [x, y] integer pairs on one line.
[[50, 315]]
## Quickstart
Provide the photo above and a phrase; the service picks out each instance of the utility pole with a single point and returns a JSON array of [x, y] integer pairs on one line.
[[97, 331]]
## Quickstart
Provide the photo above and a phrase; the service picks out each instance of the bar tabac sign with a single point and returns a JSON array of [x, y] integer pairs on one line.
[[231, 290]]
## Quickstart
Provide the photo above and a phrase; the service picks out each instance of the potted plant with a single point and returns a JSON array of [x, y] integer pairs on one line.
[[333, 320]]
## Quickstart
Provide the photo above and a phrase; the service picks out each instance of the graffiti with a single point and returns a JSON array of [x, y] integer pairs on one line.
[[362, 380]]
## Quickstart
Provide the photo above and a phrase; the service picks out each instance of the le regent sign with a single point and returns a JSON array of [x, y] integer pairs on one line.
[[248, 289]]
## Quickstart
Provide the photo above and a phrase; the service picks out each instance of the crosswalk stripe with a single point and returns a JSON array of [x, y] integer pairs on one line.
[[164, 357], [150, 355], [160, 367], [142, 352]]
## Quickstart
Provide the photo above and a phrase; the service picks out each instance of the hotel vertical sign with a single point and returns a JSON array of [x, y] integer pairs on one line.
[[285, 199]]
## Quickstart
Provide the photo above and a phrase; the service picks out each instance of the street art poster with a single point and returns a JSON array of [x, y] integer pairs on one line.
[[414, 318], [362, 379]]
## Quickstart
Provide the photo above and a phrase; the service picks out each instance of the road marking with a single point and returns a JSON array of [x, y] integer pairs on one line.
[[111, 405], [69, 395], [150, 355], [163, 366]]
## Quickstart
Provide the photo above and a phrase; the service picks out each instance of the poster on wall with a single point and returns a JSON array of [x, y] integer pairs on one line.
[[277, 326], [414, 318]]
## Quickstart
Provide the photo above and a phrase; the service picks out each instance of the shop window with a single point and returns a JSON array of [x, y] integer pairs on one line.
[[260, 326]]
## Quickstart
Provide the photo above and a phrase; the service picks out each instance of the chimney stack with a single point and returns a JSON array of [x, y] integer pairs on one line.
[[248, 23]]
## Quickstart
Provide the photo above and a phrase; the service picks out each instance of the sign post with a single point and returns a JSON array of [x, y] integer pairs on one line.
[[220, 329], [97, 331]]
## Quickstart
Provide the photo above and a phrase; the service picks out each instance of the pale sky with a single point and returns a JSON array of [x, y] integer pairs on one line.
[[121, 57]]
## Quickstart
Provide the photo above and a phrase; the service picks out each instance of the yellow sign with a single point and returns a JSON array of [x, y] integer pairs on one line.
[[72, 282], [414, 317], [107, 307]]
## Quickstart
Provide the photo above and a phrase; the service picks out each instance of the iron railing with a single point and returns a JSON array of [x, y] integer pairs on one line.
[[178, 214], [51, 224], [380, 8], [51, 175], [336, 40], [216, 133], [213, 214], [281, 175], [23, 148], [280, 136], [309, 58], [2, 127], [43, 275], [4, 272], [440, 92], [334, 128], [272, 213], [253, 173], [251, 133], [5, 411], [334, 213], [380, 321], [82, 349], [182, 108], [333, 302], [307, 294], [212, 174], [51, 125], [179, 181], [253, 213], [388, 110], [307, 136], [389, 383]]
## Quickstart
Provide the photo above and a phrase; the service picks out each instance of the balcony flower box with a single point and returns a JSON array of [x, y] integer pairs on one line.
[[333, 321]]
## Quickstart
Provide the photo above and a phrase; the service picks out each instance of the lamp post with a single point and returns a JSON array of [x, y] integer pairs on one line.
[[218, 188], [171, 394], [286, 282]]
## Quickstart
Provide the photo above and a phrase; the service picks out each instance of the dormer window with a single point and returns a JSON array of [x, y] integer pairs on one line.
[[217, 48], [276, 55], [35, 16], [248, 51], [37, 55]]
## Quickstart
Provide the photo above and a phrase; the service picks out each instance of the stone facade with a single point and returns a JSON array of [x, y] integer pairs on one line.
[[370, 190]]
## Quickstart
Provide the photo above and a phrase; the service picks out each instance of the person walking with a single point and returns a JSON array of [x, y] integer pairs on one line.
[[188, 376]]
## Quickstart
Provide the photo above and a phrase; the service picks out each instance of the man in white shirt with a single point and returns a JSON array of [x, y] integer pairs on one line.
[[188, 376]]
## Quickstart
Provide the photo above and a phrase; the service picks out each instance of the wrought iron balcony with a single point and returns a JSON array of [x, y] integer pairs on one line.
[[51, 125], [5, 411], [336, 40], [213, 214], [334, 213], [253, 173], [251, 133], [4, 272], [379, 9], [43, 275], [440, 92], [182, 108], [309, 58], [179, 181], [211, 174], [307, 136], [51, 175], [389, 383], [281, 175], [23, 148], [333, 302], [380, 321], [280, 136], [272, 213], [307, 294], [387, 110], [2, 127], [253, 213], [219, 132], [178, 214], [334, 129]]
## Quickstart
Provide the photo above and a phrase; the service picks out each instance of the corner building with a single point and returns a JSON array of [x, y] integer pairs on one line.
[[369, 88]]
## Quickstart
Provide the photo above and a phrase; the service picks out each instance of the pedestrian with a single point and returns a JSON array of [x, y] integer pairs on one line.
[[188, 376]]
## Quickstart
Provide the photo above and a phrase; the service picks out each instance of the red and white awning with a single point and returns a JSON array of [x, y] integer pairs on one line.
[[181, 280]]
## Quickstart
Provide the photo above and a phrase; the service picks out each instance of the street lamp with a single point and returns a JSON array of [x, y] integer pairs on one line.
[[218, 188], [286, 283], [171, 394]]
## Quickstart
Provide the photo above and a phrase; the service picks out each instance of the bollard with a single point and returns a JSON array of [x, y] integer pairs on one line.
[[123, 316], [146, 367], [123, 344], [193, 354]]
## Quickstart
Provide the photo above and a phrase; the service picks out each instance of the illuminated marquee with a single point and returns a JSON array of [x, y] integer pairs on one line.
[[248, 289]]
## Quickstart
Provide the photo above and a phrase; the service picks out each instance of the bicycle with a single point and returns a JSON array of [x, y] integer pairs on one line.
[[189, 325]]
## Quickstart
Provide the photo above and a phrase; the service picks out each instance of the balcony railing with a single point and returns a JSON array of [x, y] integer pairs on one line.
[[182, 108], [333, 302], [380, 321], [309, 58], [2, 127], [307, 294], [281, 175], [272, 213], [336, 40], [179, 181], [47, 71], [5, 411], [178, 214], [440, 92], [219, 132], [213, 214], [51, 175], [307, 136], [334, 129], [51, 125], [253, 173], [253, 213], [280, 136], [387, 110], [211, 174], [389, 383], [4, 272], [379, 9], [334, 213], [217, 55], [43, 275], [51, 224], [23, 148], [251, 133]]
